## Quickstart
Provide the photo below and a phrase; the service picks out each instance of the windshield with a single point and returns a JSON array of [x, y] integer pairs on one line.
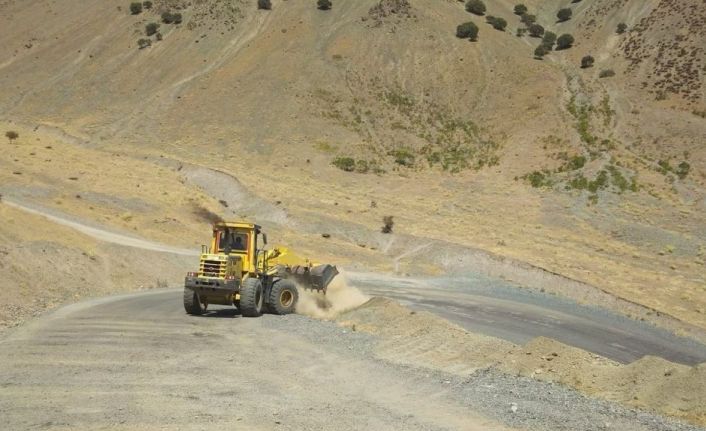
[[232, 240]]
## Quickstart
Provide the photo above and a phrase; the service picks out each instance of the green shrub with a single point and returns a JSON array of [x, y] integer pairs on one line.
[[324, 4], [387, 224], [599, 183], [587, 61], [528, 19], [402, 157], [683, 170], [362, 166], [607, 73], [467, 30], [578, 183], [171, 18], [476, 7], [520, 9], [497, 23], [538, 179], [135, 8], [564, 14], [664, 167], [520, 32], [565, 41], [622, 27], [264, 4], [576, 162], [536, 30], [144, 43], [540, 52], [151, 28], [548, 40], [344, 163]]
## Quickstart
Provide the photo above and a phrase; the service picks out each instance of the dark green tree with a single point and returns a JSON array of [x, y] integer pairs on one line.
[[324, 4], [548, 40], [622, 27], [540, 52], [135, 8], [565, 41], [264, 4], [564, 14], [467, 30], [536, 30], [476, 7], [151, 28], [520, 9], [587, 61]]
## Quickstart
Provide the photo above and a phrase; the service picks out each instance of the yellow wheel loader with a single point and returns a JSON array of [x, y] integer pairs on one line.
[[236, 270]]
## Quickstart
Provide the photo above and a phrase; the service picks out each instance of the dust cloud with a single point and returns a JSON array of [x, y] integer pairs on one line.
[[339, 297]]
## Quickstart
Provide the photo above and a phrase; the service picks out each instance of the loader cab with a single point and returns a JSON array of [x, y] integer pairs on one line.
[[238, 239]]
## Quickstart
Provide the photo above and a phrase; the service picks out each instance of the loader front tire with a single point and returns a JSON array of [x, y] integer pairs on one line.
[[283, 297], [192, 302], [251, 298]]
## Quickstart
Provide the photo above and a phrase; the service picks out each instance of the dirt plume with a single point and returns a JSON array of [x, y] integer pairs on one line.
[[339, 297]]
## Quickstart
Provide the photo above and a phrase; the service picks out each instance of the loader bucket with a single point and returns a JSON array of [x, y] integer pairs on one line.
[[316, 278]]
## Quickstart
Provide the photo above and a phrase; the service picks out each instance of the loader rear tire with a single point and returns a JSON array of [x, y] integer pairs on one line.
[[251, 298], [192, 302], [283, 297]]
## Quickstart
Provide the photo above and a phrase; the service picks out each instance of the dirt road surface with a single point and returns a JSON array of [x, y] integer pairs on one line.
[[139, 362]]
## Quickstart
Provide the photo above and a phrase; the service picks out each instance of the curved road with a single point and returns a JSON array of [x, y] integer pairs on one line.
[[138, 362], [498, 309]]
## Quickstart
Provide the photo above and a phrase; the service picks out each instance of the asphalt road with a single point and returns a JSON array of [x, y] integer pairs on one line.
[[495, 308], [138, 362]]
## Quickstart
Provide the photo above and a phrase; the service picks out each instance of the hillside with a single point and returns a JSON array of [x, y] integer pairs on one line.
[[468, 145]]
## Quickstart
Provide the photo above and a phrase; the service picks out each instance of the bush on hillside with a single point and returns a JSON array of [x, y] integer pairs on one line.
[[264, 4], [147, 4], [622, 27], [11, 135], [564, 14], [324, 4], [540, 52], [467, 30], [151, 28], [528, 19], [344, 163], [520, 9], [607, 73], [476, 7], [497, 23], [587, 61], [565, 41], [536, 30], [171, 18], [135, 8], [144, 43], [548, 40], [387, 224]]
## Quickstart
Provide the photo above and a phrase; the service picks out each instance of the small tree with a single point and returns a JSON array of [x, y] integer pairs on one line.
[[548, 40], [499, 24], [176, 18], [324, 4], [135, 8], [607, 73], [565, 41], [344, 163], [564, 14], [147, 4], [467, 30], [587, 61], [264, 4], [622, 27], [387, 224], [540, 52], [151, 28], [144, 43], [528, 19], [11, 135], [536, 30], [167, 17], [476, 7], [520, 9]]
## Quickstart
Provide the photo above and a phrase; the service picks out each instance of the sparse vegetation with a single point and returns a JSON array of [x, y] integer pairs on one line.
[[587, 61], [564, 14], [520, 9], [528, 19], [622, 27], [171, 18], [539, 179], [606, 73], [536, 30], [402, 157], [135, 8], [147, 4], [344, 163], [151, 28], [683, 170], [11, 135], [264, 4], [497, 23], [324, 4], [467, 30], [476, 7], [387, 224], [565, 41], [144, 43]]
